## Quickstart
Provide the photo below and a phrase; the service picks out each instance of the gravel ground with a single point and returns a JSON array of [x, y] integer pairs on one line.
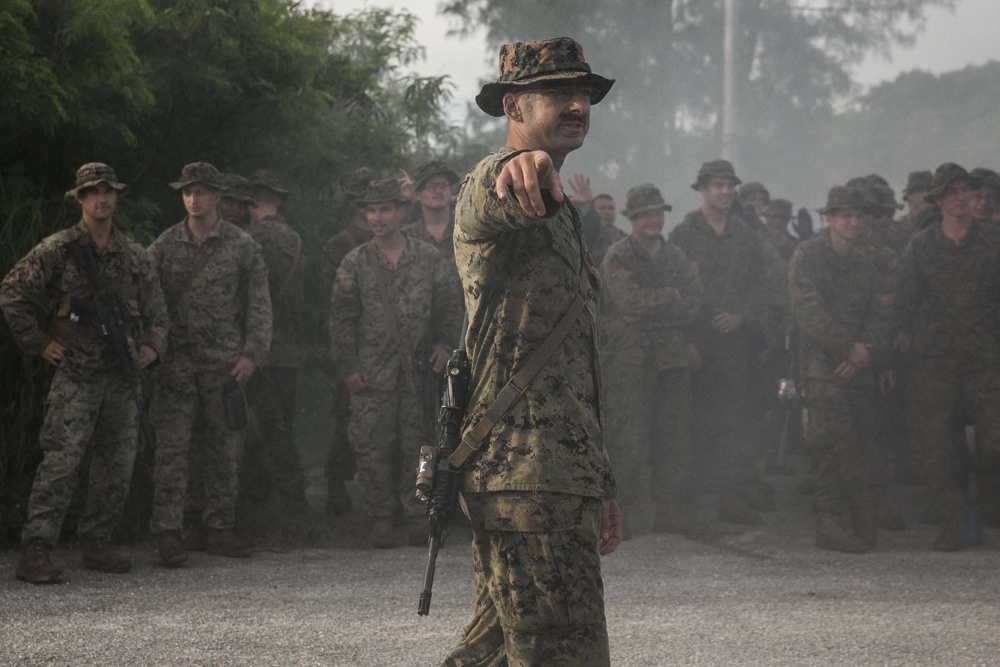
[[741, 597]]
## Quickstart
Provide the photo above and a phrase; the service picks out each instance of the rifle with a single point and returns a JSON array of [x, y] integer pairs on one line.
[[107, 314], [437, 481], [790, 396]]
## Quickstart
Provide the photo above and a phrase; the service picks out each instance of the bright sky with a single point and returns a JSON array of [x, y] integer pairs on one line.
[[967, 36]]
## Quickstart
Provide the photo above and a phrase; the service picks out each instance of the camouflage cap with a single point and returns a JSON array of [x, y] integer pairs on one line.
[[198, 172], [429, 170], [886, 199], [917, 181], [715, 169], [867, 187], [877, 179], [987, 178], [268, 180], [843, 197], [748, 189], [378, 192], [779, 208], [93, 173], [945, 175], [523, 63], [357, 183], [237, 187], [643, 198]]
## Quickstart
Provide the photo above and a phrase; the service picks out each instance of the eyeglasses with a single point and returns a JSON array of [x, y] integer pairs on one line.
[[564, 93]]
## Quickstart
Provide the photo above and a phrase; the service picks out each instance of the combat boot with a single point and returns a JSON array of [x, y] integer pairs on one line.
[[223, 542], [168, 545], [35, 566], [194, 537], [99, 556], [382, 535], [338, 502], [732, 509], [832, 536]]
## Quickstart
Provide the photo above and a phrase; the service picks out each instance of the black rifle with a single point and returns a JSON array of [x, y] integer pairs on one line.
[[107, 314], [437, 481], [790, 394]]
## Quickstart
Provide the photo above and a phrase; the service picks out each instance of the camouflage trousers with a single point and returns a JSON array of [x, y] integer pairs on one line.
[[271, 455], [841, 434], [183, 397], [386, 431], [647, 417], [539, 592], [93, 411], [340, 463], [942, 395]]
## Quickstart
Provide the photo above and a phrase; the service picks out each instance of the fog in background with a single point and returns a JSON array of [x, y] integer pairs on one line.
[[886, 124]]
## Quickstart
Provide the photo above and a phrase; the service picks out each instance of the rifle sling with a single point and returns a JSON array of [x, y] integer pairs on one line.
[[518, 384]]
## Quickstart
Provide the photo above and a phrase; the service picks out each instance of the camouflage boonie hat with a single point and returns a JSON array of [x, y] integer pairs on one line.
[[987, 178], [877, 179], [267, 179], [643, 198], [886, 199], [917, 181], [778, 208], [429, 170], [388, 190], [237, 187], [945, 175], [357, 184], [749, 188], [198, 172], [715, 169], [93, 173], [843, 197], [523, 63]]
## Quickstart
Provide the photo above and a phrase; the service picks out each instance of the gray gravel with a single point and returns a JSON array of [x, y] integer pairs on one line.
[[751, 597]]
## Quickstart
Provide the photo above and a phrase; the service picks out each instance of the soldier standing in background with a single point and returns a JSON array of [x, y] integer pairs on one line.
[[605, 233], [777, 214], [734, 327], [90, 406], [340, 463], [433, 190], [946, 314], [986, 198], [271, 447], [651, 294], [393, 297], [215, 282], [836, 293], [917, 209], [236, 201]]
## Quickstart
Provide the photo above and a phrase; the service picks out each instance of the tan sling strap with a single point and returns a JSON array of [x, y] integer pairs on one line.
[[518, 384]]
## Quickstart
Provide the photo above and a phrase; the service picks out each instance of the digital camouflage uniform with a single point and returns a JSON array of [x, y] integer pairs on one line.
[[948, 301], [90, 407], [740, 273], [224, 313], [271, 447], [534, 487], [647, 305], [837, 301], [385, 428]]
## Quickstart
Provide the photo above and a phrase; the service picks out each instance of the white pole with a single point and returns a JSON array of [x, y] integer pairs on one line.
[[729, 151]]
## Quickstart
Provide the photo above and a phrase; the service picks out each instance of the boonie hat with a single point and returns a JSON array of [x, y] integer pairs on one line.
[[237, 187], [429, 170], [748, 189], [778, 208], [842, 197], [945, 175], [267, 179], [917, 181], [987, 178], [93, 173], [388, 190], [715, 169], [198, 172], [524, 63], [643, 198]]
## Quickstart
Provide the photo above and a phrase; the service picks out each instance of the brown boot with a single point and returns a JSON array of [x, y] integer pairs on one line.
[[949, 538], [35, 566], [99, 556], [382, 535], [194, 538], [732, 509], [223, 542], [168, 545], [831, 535]]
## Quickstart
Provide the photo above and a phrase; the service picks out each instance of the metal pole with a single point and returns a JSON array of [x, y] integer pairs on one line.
[[729, 151]]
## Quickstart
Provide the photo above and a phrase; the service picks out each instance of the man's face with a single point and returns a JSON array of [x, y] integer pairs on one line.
[[605, 207], [233, 210], [755, 201], [435, 194], [199, 199], [718, 193], [845, 224], [98, 202], [778, 222], [956, 200], [556, 118], [648, 224], [984, 203], [384, 218], [915, 202]]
